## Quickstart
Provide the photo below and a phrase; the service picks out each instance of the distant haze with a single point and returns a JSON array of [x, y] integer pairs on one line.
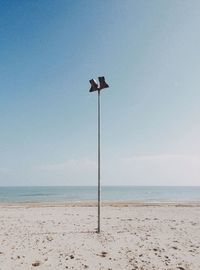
[[149, 53]]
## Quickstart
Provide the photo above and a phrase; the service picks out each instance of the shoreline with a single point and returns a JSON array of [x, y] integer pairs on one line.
[[105, 203]]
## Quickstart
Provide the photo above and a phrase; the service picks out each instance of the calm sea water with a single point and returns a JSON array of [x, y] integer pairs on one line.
[[64, 194]]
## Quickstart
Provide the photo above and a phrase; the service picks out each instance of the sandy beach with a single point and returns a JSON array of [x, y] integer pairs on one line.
[[134, 236]]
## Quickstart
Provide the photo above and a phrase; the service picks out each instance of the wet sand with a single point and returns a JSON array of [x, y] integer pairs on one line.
[[135, 235]]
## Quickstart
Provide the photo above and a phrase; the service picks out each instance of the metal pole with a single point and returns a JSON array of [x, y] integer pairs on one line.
[[99, 163]]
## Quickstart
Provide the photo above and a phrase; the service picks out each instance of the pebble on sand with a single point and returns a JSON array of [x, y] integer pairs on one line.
[[37, 263]]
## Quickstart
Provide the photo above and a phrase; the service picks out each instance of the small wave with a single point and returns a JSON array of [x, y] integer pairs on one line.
[[35, 194]]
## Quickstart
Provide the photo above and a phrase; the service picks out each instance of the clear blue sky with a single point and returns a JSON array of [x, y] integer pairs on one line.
[[149, 53]]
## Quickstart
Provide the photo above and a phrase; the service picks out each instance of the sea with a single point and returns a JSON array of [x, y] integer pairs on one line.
[[61, 194]]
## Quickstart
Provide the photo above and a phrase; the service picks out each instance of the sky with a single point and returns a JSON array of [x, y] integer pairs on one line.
[[149, 53]]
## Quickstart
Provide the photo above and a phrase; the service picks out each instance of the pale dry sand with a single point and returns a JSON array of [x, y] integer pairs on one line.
[[134, 236]]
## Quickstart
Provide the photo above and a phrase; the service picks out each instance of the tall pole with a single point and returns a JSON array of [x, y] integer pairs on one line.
[[95, 87], [99, 161]]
